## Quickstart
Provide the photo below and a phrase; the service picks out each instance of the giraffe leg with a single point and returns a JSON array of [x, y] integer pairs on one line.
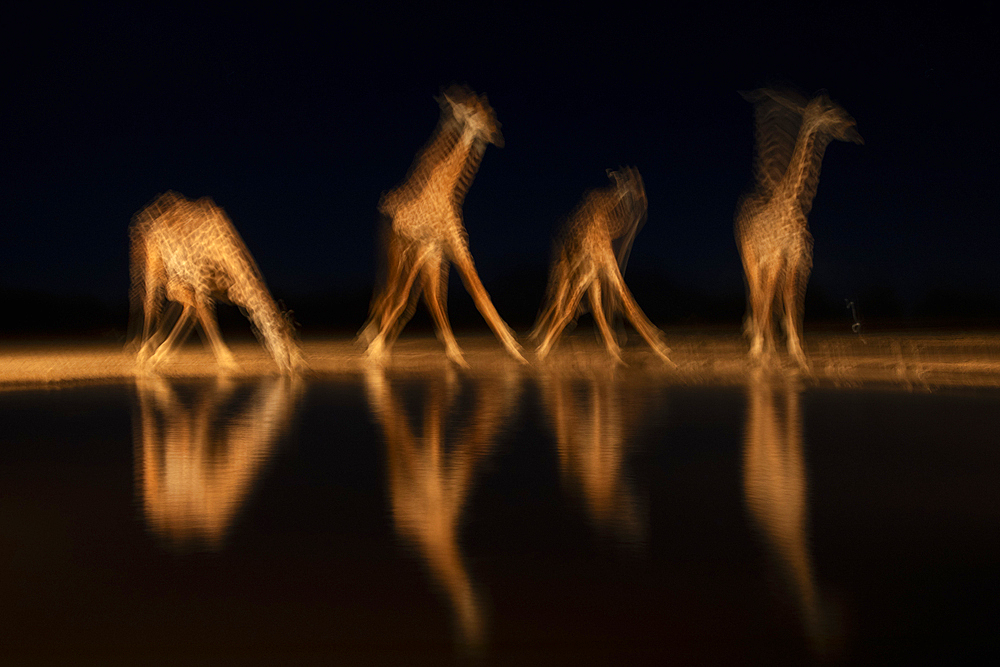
[[222, 353], [180, 331], [435, 284], [466, 268], [597, 309], [565, 313], [558, 286], [377, 349], [794, 297], [764, 296], [151, 310], [395, 261], [635, 315]]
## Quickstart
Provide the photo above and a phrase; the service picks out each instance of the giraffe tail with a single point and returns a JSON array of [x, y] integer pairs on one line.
[[137, 291]]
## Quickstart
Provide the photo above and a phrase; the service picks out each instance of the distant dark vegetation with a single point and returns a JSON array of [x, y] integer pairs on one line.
[[517, 295]]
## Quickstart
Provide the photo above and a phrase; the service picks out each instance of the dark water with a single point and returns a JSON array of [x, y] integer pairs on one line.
[[504, 519]]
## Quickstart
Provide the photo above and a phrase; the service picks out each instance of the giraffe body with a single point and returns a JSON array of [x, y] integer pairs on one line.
[[772, 226], [423, 230], [189, 252], [586, 261]]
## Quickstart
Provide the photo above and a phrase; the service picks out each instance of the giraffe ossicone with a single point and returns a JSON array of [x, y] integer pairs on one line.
[[189, 252]]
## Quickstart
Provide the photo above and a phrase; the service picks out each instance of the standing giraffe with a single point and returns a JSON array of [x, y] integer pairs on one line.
[[424, 232], [586, 255], [772, 227], [188, 251]]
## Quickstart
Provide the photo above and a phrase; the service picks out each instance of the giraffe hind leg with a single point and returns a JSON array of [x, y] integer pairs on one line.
[[566, 311], [558, 286], [763, 298], [177, 335], [396, 300]]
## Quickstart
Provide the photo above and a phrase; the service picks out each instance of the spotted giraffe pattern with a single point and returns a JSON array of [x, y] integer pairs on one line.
[[188, 252], [423, 231], [772, 227], [590, 255]]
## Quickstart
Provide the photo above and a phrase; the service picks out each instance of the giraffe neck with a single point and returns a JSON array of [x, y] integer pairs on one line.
[[251, 294], [458, 167], [802, 175]]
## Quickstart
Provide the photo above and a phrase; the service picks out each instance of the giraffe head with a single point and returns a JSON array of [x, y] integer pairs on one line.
[[472, 112], [628, 183], [830, 117], [631, 195]]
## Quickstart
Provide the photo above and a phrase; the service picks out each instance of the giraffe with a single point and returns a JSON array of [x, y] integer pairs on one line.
[[586, 256], [423, 231], [772, 227], [187, 251]]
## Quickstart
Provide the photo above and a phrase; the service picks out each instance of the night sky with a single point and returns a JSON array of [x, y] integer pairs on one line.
[[296, 122]]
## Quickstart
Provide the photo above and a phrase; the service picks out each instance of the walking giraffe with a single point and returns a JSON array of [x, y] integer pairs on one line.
[[593, 248], [424, 233], [772, 227], [189, 251]]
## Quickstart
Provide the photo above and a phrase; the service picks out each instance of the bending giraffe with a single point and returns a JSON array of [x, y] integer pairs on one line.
[[593, 248], [772, 227], [188, 252], [424, 233]]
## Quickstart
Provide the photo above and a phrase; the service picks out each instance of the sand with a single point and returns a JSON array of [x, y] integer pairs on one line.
[[906, 360]]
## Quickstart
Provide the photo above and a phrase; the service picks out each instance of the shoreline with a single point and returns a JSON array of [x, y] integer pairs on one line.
[[904, 360]]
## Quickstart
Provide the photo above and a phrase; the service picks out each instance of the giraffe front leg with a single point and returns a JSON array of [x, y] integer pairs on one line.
[[223, 355], [635, 315], [597, 308], [466, 268], [794, 297], [435, 282]]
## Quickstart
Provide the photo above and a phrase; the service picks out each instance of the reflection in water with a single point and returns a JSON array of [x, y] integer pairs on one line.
[[774, 480], [429, 482], [196, 459], [588, 414]]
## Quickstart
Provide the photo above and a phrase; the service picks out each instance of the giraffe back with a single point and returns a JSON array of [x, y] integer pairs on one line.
[[195, 243]]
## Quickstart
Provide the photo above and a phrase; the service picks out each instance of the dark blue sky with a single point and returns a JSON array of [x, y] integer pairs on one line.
[[295, 122]]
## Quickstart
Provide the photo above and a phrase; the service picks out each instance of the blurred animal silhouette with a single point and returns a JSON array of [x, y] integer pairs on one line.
[[592, 250], [198, 456], [593, 416], [188, 252], [431, 476], [772, 227], [423, 231], [776, 489]]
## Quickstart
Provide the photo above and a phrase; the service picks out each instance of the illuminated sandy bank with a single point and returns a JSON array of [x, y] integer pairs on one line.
[[906, 360]]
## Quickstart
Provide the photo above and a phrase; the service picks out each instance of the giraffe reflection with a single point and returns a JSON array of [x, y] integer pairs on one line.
[[775, 484], [588, 415], [196, 460], [430, 482]]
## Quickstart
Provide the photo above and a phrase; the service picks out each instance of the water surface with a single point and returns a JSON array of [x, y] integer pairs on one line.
[[561, 517]]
